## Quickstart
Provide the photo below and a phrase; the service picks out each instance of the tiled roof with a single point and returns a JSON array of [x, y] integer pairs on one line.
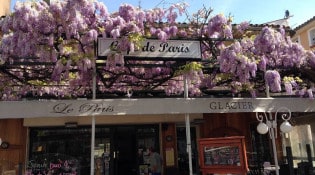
[[305, 23], [282, 22], [269, 25]]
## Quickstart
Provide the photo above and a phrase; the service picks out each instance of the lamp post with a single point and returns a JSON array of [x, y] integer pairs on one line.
[[270, 125]]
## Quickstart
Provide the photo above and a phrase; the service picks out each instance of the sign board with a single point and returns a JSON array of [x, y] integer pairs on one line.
[[103, 107], [154, 49]]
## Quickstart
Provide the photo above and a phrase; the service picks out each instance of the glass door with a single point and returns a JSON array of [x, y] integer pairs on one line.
[[147, 137], [115, 150], [102, 151], [121, 150], [124, 152]]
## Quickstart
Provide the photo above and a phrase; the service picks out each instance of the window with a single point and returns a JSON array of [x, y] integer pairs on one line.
[[298, 140], [62, 150], [311, 37], [59, 150], [301, 139]]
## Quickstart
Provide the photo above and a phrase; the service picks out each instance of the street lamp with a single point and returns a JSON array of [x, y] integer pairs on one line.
[[270, 126]]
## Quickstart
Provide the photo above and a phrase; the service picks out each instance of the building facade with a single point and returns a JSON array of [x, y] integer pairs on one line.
[[40, 142], [305, 34], [38, 139]]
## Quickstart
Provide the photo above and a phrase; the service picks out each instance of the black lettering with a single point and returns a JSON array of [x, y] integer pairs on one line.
[[250, 105], [220, 107], [232, 105], [213, 105], [108, 109], [152, 49], [163, 47], [114, 45], [87, 107], [94, 107], [227, 106], [186, 49], [244, 105], [148, 48], [62, 108]]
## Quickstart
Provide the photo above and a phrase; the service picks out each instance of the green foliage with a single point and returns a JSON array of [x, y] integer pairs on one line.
[[187, 68]]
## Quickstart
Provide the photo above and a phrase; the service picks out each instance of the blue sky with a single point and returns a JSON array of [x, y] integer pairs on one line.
[[255, 11]]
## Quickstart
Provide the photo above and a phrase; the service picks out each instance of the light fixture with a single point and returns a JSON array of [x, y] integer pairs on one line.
[[262, 128], [271, 126], [286, 127]]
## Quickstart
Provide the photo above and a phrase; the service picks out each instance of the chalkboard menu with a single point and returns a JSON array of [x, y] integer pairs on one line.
[[223, 155], [53, 164]]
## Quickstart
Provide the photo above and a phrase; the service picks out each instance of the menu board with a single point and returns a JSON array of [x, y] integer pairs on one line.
[[53, 164], [222, 155]]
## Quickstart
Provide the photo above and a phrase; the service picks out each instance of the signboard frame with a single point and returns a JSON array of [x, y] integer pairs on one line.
[[109, 107], [153, 49]]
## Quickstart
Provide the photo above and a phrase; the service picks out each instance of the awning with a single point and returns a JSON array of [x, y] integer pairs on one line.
[[103, 107]]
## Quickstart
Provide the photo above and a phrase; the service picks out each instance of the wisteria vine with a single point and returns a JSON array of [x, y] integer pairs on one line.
[[60, 38]]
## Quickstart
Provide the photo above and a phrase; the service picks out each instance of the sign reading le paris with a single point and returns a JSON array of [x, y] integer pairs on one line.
[[172, 49]]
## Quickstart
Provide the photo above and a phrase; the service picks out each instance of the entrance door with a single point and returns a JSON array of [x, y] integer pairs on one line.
[[124, 151], [121, 150]]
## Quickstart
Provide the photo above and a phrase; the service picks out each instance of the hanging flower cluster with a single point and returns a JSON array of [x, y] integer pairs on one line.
[[270, 52]]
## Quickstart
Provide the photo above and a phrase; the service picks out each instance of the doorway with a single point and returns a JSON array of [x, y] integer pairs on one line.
[[125, 149]]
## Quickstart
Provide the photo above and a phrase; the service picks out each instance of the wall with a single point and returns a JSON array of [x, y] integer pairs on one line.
[[5, 7], [302, 33], [226, 124], [13, 132]]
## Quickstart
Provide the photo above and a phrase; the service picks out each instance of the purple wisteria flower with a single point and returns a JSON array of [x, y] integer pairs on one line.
[[273, 80]]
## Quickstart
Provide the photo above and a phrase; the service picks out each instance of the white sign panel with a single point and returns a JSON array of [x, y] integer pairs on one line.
[[175, 49], [63, 108]]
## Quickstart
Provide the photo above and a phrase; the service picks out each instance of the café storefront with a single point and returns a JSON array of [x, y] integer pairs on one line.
[[60, 133], [112, 136]]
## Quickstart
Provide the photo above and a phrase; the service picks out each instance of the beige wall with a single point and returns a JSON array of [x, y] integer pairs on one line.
[[5, 7], [302, 34]]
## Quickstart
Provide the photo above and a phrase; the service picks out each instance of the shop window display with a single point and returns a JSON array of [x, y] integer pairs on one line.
[[68, 150], [59, 150]]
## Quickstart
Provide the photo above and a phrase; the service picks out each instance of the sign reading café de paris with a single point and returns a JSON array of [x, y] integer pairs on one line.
[[172, 49]]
